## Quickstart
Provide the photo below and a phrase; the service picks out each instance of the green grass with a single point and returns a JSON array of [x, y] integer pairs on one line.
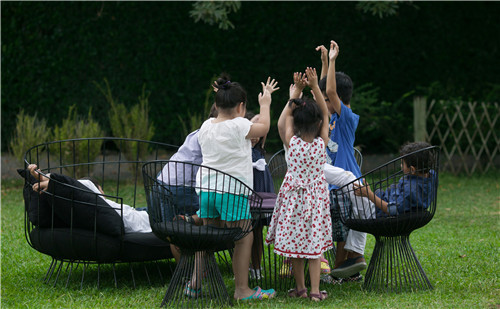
[[458, 249]]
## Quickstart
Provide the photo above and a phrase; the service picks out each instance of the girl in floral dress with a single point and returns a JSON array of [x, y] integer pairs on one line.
[[301, 225]]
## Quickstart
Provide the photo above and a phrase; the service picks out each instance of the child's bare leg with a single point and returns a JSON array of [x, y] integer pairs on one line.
[[175, 252], [341, 254], [298, 273], [241, 261], [314, 274], [257, 247]]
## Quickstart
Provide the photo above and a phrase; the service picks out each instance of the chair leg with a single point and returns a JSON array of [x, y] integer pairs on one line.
[[211, 289], [394, 267]]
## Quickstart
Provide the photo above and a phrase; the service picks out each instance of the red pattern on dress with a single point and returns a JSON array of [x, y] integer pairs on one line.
[[301, 226]]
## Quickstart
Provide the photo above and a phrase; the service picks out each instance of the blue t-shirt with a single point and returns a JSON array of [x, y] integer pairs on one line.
[[340, 148], [412, 193]]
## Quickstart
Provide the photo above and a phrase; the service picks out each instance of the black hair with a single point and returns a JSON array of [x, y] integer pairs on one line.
[[344, 86], [229, 94], [421, 160], [306, 116]]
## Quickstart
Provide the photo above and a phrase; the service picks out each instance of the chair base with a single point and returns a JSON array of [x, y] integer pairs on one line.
[[276, 271], [60, 268], [394, 267], [213, 292]]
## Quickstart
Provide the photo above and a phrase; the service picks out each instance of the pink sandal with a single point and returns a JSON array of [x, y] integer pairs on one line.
[[322, 295], [296, 293]]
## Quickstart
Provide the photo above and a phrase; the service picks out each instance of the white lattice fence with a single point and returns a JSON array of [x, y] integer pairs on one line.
[[468, 134]]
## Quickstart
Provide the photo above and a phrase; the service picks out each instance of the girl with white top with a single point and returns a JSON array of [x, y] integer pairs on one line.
[[226, 145]]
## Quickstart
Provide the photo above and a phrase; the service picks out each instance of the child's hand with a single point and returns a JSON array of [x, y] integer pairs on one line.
[[361, 190], [292, 91], [324, 53], [312, 77], [300, 80], [270, 85], [264, 98], [334, 50]]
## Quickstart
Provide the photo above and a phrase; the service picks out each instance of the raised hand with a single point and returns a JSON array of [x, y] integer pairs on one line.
[[270, 85], [265, 98], [299, 80], [312, 77], [324, 52], [334, 50], [291, 91]]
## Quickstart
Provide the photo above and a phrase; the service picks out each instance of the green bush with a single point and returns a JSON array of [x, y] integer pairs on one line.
[[73, 127], [130, 122], [29, 131]]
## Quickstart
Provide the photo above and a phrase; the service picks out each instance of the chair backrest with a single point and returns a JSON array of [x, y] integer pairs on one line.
[[277, 166], [410, 199], [68, 205], [230, 209]]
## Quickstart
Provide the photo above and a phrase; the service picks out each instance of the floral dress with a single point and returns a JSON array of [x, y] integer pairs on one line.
[[301, 226]]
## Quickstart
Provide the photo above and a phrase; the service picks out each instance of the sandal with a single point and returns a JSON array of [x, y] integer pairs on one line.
[[322, 295], [260, 294], [190, 292], [325, 266], [296, 293]]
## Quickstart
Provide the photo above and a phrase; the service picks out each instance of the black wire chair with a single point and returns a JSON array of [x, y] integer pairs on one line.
[[412, 204], [75, 226], [174, 189]]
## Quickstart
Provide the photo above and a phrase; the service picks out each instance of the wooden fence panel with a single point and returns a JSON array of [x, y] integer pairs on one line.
[[467, 132]]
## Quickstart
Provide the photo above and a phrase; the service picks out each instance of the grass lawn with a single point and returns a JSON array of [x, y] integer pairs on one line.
[[458, 249]]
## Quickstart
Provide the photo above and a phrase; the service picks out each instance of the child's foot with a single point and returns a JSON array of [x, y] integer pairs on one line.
[[259, 294], [350, 267], [191, 292], [296, 293], [286, 269], [318, 296], [325, 266]]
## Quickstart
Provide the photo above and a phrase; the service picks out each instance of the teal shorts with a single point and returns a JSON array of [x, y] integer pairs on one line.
[[227, 206]]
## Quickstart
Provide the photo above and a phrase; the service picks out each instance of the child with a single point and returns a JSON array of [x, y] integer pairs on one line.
[[301, 227], [262, 182], [414, 190], [134, 220], [337, 90], [226, 145]]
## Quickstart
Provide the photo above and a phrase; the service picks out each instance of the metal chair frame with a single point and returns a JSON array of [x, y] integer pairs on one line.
[[92, 157]]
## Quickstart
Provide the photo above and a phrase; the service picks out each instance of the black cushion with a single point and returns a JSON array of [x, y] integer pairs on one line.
[[189, 236], [78, 207], [140, 247], [40, 211], [76, 244]]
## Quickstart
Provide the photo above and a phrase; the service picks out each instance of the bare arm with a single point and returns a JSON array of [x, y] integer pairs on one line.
[[324, 60], [261, 127], [285, 122], [365, 191], [312, 82], [331, 84]]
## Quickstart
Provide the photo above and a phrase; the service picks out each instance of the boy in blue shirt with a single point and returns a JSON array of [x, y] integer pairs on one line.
[[413, 192], [343, 124]]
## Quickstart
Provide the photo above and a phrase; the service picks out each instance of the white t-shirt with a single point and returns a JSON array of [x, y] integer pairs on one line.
[[134, 221], [225, 147]]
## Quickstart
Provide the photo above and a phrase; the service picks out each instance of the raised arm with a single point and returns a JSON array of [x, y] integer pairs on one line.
[[324, 60], [261, 127], [312, 82], [286, 113], [331, 84]]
